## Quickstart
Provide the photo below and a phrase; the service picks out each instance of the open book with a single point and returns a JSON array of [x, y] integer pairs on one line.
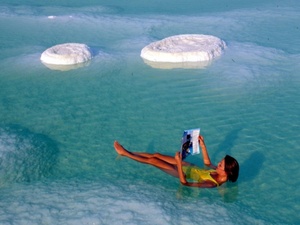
[[190, 143]]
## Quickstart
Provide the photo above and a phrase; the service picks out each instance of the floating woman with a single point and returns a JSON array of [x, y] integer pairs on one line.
[[189, 174]]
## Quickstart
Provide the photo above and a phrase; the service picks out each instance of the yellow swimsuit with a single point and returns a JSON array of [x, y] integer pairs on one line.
[[197, 174]]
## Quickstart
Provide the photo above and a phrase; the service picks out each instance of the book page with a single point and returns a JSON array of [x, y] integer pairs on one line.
[[190, 143]]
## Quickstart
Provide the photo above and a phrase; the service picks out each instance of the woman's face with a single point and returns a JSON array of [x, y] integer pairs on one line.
[[221, 165]]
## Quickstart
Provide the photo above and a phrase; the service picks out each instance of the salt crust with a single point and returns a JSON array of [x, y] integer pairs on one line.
[[76, 201], [184, 48], [24, 155], [66, 54]]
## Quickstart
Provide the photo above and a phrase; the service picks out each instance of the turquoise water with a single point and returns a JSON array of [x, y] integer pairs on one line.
[[57, 162]]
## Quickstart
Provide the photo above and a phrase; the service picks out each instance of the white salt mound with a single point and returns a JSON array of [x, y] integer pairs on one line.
[[66, 54], [177, 65], [184, 48]]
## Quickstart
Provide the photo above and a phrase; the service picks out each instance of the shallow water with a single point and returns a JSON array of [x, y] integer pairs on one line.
[[57, 162]]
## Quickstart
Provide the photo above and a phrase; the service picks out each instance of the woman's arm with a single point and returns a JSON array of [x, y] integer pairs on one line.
[[205, 155], [206, 184], [181, 175]]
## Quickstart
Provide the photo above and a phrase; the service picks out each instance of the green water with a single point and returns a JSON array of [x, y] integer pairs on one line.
[[57, 127]]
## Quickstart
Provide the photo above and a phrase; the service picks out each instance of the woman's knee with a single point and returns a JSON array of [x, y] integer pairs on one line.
[[157, 155]]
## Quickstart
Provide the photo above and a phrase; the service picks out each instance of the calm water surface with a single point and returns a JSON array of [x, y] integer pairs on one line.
[[57, 162]]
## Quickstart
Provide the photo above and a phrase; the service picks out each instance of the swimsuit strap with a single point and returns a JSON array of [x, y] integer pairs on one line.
[[211, 178]]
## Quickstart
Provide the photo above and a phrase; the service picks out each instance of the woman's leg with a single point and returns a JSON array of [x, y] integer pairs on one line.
[[166, 158], [166, 163]]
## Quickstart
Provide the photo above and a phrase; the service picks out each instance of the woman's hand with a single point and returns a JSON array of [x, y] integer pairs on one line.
[[178, 157], [201, 139], [205, 155]]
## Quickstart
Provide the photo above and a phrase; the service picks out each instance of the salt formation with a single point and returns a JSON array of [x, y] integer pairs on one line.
[[24, 155], [177, 65], [66, 54], [184, 48], [66, 67]]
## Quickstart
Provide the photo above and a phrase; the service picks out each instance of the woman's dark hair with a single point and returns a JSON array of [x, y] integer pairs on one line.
[[231, 168]]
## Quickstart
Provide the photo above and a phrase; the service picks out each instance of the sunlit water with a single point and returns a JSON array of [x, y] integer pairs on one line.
[[57, 162]]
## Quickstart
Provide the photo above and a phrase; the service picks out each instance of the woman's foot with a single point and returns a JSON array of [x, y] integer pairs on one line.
[[119, 148]]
